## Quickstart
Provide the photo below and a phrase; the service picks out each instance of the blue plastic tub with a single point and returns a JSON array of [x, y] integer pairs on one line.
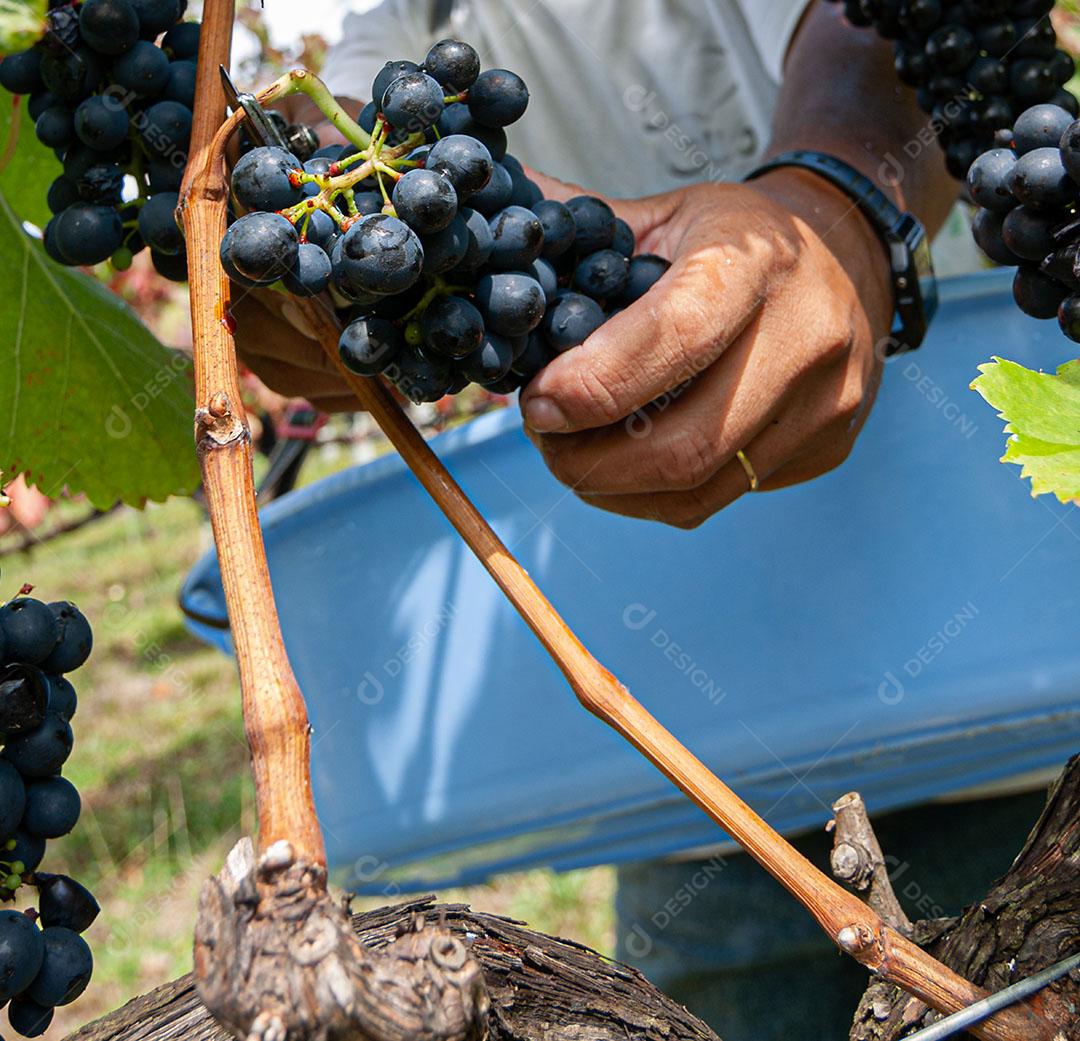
[[904, 626]]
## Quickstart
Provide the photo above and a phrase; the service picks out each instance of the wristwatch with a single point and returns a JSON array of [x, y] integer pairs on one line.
[[906, 242]]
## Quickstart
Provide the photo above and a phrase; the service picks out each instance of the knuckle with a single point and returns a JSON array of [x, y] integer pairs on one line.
[[849, 404], [687, 460], [590, 395]]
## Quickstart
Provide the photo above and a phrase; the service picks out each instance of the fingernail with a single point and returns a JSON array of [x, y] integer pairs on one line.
[[544, 416]]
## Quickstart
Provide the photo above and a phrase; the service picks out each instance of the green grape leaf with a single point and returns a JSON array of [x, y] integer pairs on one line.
[[1042, 415], [30, 166], [21, 23], [89, 399]]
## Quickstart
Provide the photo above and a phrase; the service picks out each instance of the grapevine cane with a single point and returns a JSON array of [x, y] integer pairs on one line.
[[275, 958], [845, 918]]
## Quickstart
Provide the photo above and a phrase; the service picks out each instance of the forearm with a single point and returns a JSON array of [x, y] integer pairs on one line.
[[841, 95]]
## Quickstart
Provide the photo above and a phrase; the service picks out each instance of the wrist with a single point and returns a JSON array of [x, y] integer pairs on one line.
[[837, 222]]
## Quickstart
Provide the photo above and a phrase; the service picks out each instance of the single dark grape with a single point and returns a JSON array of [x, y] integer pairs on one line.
[[39, 101], [29, 1018], [166, 128], [144, 69], [911, 65], [24, 700], [526, 192], [595, 223], [109, 26], [1039, 179], [322, 231], [420, 377], [155, 16], [20, 72], [30, 630], [624, 241], [512, 303], [259, 248], [1036, 294], [1031, 81], [444, 250], [1041, 126], [171, 266], [87, 233], [454, 64], [570, 320], [490, 362], [1062, 66], [52, 807], [311, 275], [71, 74], [452, 327], [65, 968], [381, 254], [42, 751], [951, 49], [498, 98], [387, 74], [158, 227], [989, 178], [646, 269], [22, 952], [996, 37], [496, 194], [987, 229], [55, 127], [181, 42], [988, 75], [1027, 233], [1067, 100], [62, 699], [1037, 39], [368, 345], [464, 160], [558, 225], [180, 85], [48, 242], [23, 847], [413, 102], [64, 902], [920, 16], [12, 801], [536, 355], [603, 275], [517, 238], [479, 241], [1069, 317], [425, 200], [165, 175], [261, 181], [544, 273], [101, 123], [456, 119]]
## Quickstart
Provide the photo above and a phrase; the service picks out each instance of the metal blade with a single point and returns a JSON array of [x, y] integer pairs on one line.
[[259, 126]]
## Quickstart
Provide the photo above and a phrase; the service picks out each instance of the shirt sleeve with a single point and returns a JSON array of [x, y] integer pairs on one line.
[[772, 24], [393, 29]]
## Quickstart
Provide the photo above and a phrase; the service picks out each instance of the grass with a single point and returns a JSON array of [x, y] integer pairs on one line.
[[161, 762]]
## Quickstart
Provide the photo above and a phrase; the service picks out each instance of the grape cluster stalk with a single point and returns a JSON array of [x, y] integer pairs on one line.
[[452, 266], [44, 960]]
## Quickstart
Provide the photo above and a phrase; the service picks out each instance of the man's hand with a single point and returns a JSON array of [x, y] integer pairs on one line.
[[761, 338]]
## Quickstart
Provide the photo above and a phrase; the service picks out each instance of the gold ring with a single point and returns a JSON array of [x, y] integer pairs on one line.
[[751, 475]]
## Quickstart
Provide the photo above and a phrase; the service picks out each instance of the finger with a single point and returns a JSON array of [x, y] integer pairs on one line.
[[675, 331], [681, 440], [267, 328], [781, 441]]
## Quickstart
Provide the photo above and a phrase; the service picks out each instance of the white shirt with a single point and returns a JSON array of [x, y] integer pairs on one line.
[[627, 97]]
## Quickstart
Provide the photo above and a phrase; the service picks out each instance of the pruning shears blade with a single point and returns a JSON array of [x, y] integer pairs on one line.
[[260, 127]]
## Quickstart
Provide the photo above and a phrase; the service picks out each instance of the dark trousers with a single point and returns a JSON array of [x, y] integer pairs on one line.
[[724, 939]]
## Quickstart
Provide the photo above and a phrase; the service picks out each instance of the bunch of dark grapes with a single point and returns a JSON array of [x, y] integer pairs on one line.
[[115, 104], [453, 265], [44, 961], [976, 64], [1028, 193]]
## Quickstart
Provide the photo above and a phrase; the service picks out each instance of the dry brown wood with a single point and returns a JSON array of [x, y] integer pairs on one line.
[[541, 988], [1028, 921], [275, 718], [857, 861]]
